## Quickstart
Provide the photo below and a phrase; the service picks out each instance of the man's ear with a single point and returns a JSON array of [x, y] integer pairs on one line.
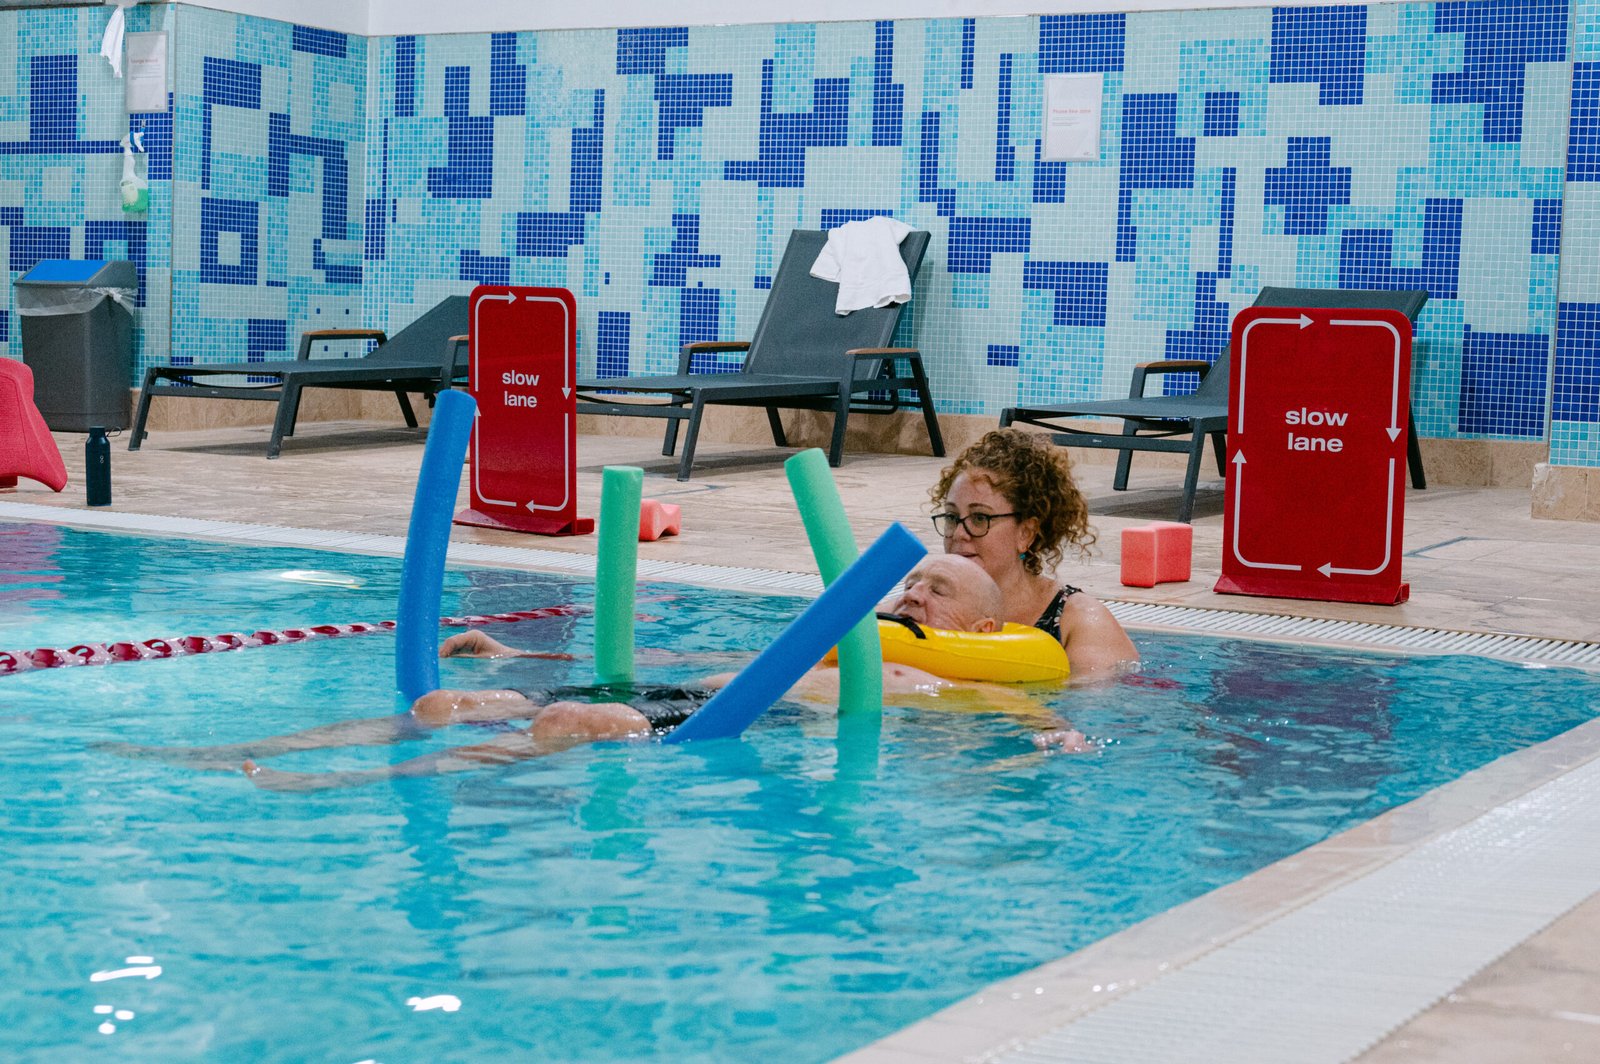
[[987, 624]]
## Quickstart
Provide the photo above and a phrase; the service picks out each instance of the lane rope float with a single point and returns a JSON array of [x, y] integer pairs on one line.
[[16, 661]]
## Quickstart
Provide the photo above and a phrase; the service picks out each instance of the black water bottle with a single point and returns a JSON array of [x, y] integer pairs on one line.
[[97, 467]]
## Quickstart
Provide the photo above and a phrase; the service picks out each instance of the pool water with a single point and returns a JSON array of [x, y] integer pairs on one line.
[[787, 896]]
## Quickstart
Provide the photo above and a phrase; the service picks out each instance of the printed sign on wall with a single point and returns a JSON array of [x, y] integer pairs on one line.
[[1315, 494]]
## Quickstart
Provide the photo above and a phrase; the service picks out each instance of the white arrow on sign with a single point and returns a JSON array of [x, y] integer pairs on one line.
[[566, 463], [477, 466], [1329, 568], [477, 310], [1395, 428], [566, 363], [1238, 493], [1244, 353]]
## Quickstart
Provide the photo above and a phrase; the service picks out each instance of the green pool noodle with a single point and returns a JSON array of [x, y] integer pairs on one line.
[[616, 570], [822, 513]]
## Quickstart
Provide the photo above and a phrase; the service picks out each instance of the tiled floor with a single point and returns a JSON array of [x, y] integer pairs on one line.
[[1474, 558]]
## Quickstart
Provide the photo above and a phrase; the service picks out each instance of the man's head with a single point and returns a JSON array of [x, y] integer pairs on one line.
[[950, 591]]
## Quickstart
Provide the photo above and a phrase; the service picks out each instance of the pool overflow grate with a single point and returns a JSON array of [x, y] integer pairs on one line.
[[1357, 633], [1326, 981], [1137, 614]]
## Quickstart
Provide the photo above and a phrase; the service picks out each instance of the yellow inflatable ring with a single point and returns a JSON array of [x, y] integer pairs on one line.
[[1017, 653]]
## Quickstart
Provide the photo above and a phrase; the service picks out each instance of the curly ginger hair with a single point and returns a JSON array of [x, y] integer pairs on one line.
[[1035, 476]]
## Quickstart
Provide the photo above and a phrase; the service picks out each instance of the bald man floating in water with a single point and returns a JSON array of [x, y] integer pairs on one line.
[[943, 591]]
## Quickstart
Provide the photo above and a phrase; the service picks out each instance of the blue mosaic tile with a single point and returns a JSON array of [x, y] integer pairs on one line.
[[1081, 44], [1307, 186], [1503, 382], [1324, 46], [1500, 38], [1575, 386]]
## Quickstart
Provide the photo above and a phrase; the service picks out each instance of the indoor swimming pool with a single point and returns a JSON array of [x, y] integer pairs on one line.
[[791, 895]]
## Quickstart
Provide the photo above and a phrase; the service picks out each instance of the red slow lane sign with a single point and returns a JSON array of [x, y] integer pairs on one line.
[[524, 441], [1314, 503]]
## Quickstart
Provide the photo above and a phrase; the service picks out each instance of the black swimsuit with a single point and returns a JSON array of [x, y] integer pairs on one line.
[[1050, 619], [664, 707]]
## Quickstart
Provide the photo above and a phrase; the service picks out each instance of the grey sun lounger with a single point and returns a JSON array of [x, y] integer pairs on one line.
[[1150, 423], [424, 357], [802, 356]]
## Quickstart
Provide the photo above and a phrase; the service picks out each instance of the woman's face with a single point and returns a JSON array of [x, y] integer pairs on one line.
[[972, 492]]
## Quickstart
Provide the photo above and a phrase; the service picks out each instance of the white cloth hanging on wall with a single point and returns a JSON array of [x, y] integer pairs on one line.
[[864, 258], [111, 43]]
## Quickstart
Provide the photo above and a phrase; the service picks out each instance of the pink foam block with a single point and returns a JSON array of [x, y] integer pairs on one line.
[[657, 519], [1156, 553]]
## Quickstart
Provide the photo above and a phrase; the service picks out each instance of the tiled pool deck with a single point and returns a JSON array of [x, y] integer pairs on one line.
[[1475, 560]]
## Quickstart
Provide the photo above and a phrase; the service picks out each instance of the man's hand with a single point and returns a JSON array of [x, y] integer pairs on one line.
[[475, 644], [1065, 740]]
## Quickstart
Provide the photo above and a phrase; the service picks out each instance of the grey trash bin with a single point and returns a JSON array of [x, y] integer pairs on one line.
[[77, 337]]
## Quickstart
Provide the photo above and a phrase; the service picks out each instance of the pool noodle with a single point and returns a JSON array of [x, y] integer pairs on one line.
[[416, 650], [808, 637], [822, 512], [616, 573]]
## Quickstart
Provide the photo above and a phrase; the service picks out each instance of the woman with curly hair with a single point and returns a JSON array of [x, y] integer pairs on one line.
[[1009, 502]]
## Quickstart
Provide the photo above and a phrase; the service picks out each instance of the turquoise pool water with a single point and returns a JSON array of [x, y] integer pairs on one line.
[[721, 901]]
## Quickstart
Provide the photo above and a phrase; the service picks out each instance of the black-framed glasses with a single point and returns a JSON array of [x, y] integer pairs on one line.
[[976, 523]]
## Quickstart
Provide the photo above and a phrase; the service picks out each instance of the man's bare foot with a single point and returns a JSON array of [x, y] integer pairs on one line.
[[271, 779]]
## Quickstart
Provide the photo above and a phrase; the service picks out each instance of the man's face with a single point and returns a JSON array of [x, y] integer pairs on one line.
[[947, 591]]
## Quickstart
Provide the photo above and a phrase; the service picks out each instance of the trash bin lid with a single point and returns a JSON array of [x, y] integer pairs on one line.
[[112, 273]]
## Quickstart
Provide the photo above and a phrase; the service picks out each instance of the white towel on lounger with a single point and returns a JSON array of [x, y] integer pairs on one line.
[[864, 257]]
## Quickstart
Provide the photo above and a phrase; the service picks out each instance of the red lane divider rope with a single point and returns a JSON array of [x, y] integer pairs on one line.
[[15, 661]]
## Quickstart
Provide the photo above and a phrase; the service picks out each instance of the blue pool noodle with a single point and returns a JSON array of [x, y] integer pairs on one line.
[[806, 640], [416, 649]]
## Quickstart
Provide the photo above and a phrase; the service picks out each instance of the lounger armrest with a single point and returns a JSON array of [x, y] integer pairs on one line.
[[452, 351], [705, 347], [310, 335], [1171, 365]]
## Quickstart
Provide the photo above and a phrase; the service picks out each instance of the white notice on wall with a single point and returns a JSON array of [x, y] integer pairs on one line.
[[1072, 117], [146, 63]]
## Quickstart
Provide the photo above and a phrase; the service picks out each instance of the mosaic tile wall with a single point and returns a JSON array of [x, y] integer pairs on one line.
[[657, 173], [267, 192], [1575, 377], [62, 120]]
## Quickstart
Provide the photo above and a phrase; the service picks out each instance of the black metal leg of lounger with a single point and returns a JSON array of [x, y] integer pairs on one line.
[[841, 417], [283, 424], [1219, 444], [669, 442], [1124, 458], [776, 424], [405, 408], [686, 461], [1005, 417], [136, 437], [1197, 448], [935, 437], [1414, 454]]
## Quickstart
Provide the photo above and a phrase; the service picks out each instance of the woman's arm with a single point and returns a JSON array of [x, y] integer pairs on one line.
[[1096, 645]]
